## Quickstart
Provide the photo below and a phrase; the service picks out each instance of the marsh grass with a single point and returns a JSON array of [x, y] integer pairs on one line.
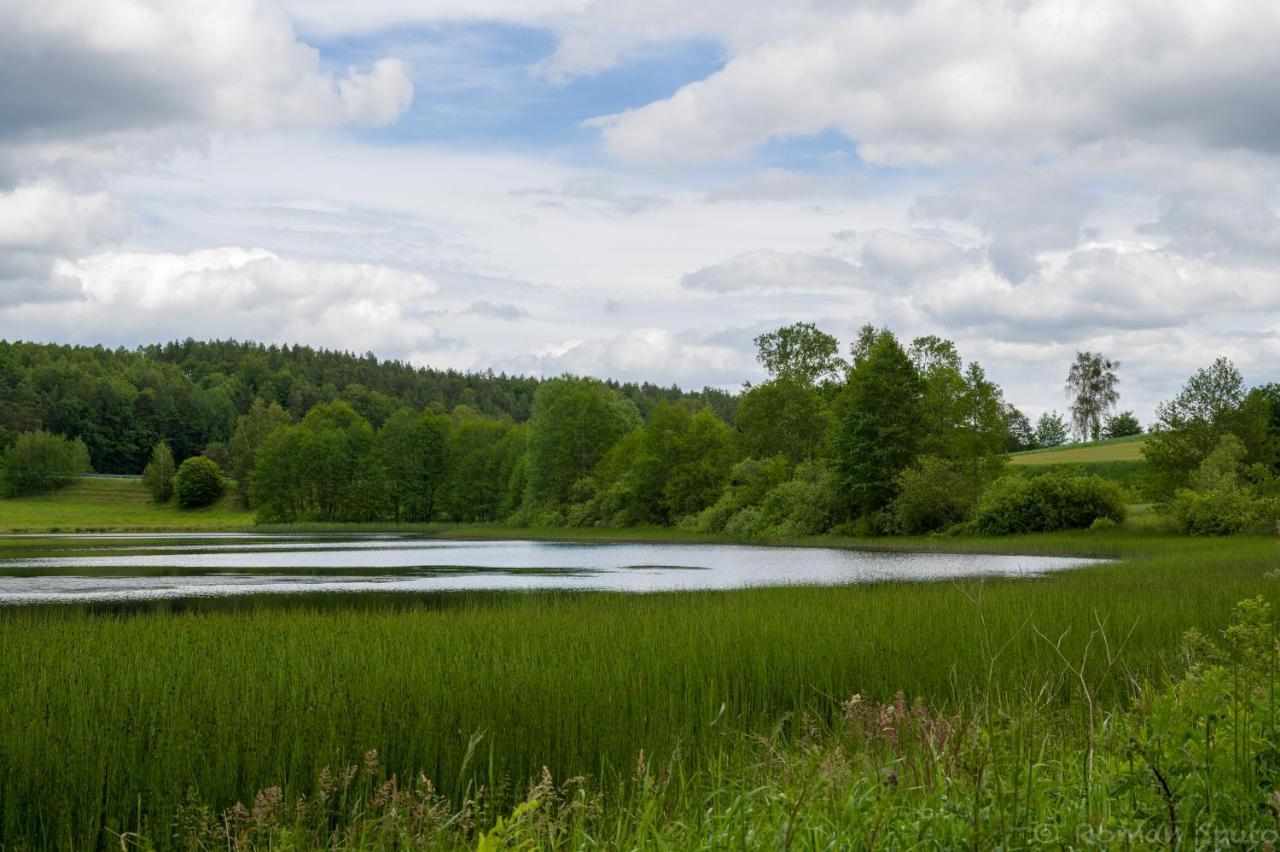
[[117, 720]]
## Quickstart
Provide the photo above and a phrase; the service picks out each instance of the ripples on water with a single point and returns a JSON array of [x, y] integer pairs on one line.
[[89, 568]]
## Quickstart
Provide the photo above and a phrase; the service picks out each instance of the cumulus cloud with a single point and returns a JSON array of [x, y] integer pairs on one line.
[[941, 79], [72, 69], [41, 222], [236, 292]]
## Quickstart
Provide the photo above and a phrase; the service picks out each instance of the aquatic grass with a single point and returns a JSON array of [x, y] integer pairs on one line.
[[116, 719]]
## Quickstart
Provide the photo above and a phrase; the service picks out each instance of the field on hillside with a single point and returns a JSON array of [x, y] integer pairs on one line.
[[113, 503], [1118, 449], [141, 719]]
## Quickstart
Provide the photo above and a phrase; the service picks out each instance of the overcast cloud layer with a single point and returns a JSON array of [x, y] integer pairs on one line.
[[636, 188]]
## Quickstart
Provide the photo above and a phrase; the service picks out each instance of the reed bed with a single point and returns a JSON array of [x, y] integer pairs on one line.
[[116, 720]]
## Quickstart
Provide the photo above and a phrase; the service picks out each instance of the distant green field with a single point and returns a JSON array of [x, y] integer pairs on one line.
[[94, 504], [1118, 449]]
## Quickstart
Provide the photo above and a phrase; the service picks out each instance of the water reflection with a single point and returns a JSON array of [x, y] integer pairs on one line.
[[89, 568]]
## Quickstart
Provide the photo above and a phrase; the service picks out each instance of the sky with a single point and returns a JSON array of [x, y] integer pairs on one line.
[[635, 189]]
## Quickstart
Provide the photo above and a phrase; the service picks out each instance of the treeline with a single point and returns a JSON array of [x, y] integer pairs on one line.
[[894, 438], [188, 394]]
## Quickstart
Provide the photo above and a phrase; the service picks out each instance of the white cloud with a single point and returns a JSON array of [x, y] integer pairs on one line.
[[639, 355], [76, 69], [941, 79], [236, 292], [767, 270], [41, 222]]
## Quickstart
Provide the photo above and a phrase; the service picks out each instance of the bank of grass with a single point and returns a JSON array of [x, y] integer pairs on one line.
[[113, 721], [1115, 449], [113, 504]]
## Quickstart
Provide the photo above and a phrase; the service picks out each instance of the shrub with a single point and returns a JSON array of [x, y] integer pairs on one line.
[[932, 495], [1014, 504], [1221, 512], [1103, 524], [198, 482], [39, 461], [157, 476], [1220, 501]]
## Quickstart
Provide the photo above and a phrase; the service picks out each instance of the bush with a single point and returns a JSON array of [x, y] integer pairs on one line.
[[1222, 512], [39, 461], [158, 474], [1221, 501], [1014, 504], [198, 482], [932, 495]]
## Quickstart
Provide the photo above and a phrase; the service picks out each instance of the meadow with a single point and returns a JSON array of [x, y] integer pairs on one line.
[[1127, 449], [132, 725], [113, 504]]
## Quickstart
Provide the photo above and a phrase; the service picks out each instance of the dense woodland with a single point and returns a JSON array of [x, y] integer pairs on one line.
[[893, 437], [188, 394]]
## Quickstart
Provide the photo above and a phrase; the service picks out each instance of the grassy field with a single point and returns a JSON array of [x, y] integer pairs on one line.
[[1115, 450], [97, 504], [115, 719]]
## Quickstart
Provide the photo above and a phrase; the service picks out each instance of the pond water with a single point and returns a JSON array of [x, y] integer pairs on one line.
[[121, 568]]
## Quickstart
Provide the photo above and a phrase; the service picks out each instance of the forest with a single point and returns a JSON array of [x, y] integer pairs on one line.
[[893, 438]]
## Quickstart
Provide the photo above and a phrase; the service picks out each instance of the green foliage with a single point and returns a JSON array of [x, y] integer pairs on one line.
[[879, 427], [157, 477], [783, 416], [1051, 430], [480, 462], [933, 494], [412, 450], [1212, 403], [575, 422], [38, 462], [164, 719], [1121, 425], [323, 469], [749, 481], [198, 483], [1017, 504], [800, 353], [252, 428], [1219, 500], [1022, 435]]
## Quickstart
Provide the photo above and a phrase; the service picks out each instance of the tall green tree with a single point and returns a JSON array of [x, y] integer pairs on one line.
[[251, 430], [1091, 385], [1212, 403], [978, 446], [801, 352], [782, 416], [575, 422], [1052, 430], [879, 431], [412, 447], [157, 476]]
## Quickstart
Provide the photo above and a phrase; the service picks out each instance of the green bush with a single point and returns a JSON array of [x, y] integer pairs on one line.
[[932, 495], [198, 483], [39, 461], [158, 474], [1014, 504], [1222, 512], [1221, 501]]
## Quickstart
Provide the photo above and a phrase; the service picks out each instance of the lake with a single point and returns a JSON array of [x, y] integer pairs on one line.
[[122, 568]]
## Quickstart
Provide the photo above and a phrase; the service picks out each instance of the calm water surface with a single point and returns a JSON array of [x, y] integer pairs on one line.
[[85, 568]]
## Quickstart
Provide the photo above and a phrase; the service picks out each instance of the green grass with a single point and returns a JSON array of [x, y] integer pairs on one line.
[[95, 504], [1114, 450], [113, 720]]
